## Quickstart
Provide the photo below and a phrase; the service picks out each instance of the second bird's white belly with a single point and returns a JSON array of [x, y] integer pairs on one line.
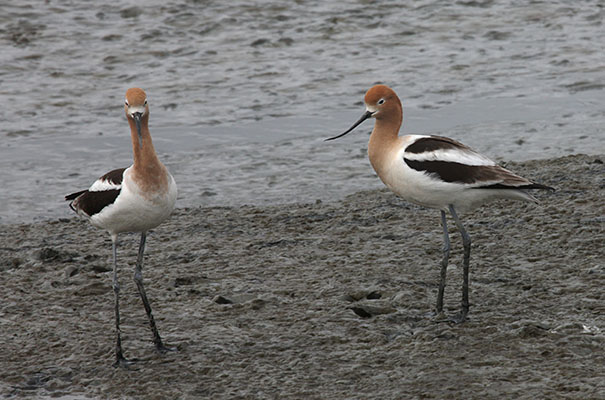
[[420, 188]]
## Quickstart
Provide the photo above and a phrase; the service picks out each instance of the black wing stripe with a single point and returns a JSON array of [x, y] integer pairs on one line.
[[433, 143], [504, 186], [92, 203], [453, 172], [74, 195], [114, 177]]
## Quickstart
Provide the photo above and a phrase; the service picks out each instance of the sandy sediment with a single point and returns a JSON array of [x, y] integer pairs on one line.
[[318, 301]]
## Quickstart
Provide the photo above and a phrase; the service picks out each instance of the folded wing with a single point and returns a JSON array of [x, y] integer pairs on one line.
[[450, 161], [102, 193]]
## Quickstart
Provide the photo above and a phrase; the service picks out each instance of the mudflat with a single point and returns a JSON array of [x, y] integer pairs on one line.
[[318, 301]]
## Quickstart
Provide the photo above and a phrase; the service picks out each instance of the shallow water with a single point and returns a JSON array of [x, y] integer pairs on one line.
[[243, 93]]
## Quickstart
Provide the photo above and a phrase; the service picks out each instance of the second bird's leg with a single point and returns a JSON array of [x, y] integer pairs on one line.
[[466, 242], [444, 262], [138, 278]]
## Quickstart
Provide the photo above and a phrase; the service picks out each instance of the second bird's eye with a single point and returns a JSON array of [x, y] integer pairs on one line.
[[381, 101]]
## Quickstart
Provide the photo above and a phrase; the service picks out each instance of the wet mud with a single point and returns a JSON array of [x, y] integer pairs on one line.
[[318, 301]]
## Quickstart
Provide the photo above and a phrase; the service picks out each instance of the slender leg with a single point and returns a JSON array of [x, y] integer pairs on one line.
[[138, 278], [444, 262], [120, 360], [466, 242]]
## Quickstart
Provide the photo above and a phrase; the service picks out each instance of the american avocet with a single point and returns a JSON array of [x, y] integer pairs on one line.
[[133, 199], [435, 172]]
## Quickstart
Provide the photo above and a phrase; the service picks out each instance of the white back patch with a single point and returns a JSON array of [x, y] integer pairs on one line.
[[101, 185]]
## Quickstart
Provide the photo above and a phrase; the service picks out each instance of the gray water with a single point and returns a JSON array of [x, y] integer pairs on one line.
[[242, 93]]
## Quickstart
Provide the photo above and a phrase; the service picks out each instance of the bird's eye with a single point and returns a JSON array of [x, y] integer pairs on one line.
[[126, 103], [381, 101], [145, 102]]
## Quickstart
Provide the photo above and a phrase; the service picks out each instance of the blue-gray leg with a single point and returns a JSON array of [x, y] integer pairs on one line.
[[120, 360], [138, 278], [444, 262], [466, 242]]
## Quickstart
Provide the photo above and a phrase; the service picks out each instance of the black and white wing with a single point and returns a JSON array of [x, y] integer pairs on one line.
[[102, 193], [448, 160]]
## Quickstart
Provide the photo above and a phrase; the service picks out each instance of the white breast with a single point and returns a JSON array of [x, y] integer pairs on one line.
[[134, 212]]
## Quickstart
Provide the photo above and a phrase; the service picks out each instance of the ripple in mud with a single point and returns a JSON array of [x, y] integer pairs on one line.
[[131, 12], [24, 32]]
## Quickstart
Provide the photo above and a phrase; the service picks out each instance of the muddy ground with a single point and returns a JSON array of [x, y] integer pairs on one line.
[[318, 301]]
